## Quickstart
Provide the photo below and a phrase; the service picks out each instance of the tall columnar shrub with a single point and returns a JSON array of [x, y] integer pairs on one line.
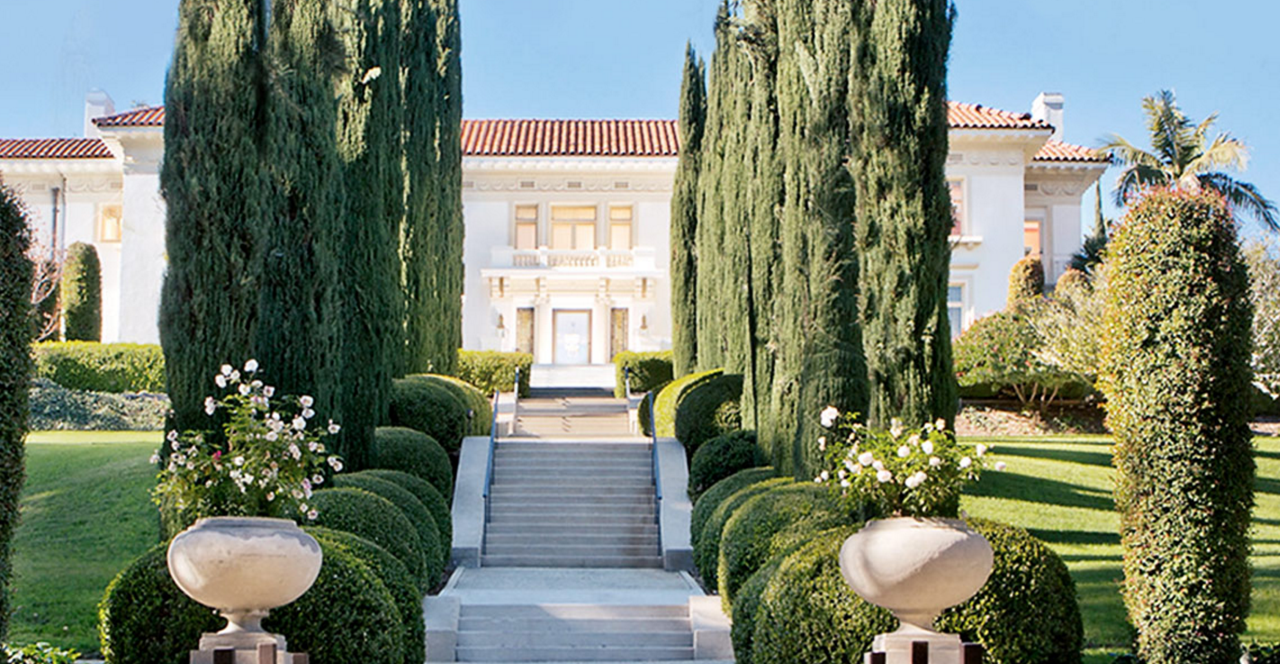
[[1175, 359], [448, 141], [898, 110], [1026, 282], [16, 330], [713, 164], [215, 194], [82, 294], [684, 217]]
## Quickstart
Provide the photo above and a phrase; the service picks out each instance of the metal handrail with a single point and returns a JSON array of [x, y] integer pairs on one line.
[[653, 437], [493, 443], [515, 406], [626, 375]]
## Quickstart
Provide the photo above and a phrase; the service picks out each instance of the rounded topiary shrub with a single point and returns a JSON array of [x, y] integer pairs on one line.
[[427, 406], [495, 371], [708, 410], [709, 501], [413, 452], [82, 294], [424, 523], [395, 576], [1027, 612], [644, 413], [668, 400], [747, 604], [706, 553], [479, 410], [721, 457], [378, 520], [767, 524], [145, 619], [1026, 281], [648, 371], [807, 613], [423, 491]]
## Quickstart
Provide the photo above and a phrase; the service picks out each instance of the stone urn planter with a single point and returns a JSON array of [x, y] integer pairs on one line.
[[916, 568], [244, 567]]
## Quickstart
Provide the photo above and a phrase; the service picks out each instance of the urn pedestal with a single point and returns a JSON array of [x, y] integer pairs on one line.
[[916, 568]]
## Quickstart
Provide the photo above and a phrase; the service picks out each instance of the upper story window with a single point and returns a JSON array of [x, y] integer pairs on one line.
[[956, 188], [955, 308], [1031, 242], [573, 227], [620, 218], [110, 223], [526, 227]]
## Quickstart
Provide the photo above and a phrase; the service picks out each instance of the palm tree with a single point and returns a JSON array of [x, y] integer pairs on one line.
[[1183, 157]]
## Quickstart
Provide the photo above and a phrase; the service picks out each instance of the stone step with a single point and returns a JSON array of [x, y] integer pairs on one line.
[[570, 522], [575, 611], [526, 481], [567, 463], [555, 637], [571, 550], [521, 560], [543, 529], [642, 447], [585, 625], [571, 509], [559, 499], [500, 654], [571, 538], [585, 492], [590, 475]]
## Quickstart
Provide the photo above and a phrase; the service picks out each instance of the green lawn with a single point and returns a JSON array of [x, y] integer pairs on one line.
[[1060, 490], [85, 515]]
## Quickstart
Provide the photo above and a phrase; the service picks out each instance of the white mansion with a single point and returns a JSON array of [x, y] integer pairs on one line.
[[567, 221]]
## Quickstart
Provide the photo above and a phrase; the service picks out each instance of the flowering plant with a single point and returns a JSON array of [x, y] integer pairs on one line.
[[902, 472], [270, 461]]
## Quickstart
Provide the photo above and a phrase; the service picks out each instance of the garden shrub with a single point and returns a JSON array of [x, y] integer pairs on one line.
[[1027, 612], [481, 410], [1001, 350], [668, 400], [1263, 259], [706, 552], [721, 457], [648, 371], [436, 550], [719, 492], [378, 520], [644, 413], [1264, 653], [82, 294], [491, 370], [38, 653], [747, 604], [767, 524], [95, 367], [423, 491], [1176, 373], [55, 408], [709, 409], [145, 619], [427, 406], [1026, 282], [395, 576], [807, 613], [413, 452]]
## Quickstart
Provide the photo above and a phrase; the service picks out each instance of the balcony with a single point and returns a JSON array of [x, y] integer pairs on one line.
[[511, 260]]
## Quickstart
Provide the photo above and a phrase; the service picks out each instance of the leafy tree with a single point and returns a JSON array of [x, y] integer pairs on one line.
[[1003, 350], [82, 294], [1094, 249], [684, 217], [1026, 282], [1263, 259], [1069, 324], [1183, 156]]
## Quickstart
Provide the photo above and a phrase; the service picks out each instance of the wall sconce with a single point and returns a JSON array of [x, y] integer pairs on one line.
[[502, 326], [644, 323]]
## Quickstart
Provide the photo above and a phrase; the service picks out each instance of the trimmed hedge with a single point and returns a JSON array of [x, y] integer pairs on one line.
[[706, 552], [721, 457], [1026, 281], [430, 407], [747, 604], [413, 452], [664, 409], [424, 523], [395, 576], [55, 408], [17, 327], [708, 502], [1027, 612], [768, 524], [491, 370], [378, 520], [481, 410], [423, 491], [648, 371], [95, 367], [807, 613], [145, 619], [644, 413], [82, 294], [709, 409]]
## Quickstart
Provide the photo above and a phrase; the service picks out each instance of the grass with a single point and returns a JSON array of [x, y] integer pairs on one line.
[[1059, 488], [85, 515]]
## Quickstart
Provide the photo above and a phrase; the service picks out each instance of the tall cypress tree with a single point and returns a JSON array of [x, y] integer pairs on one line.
[[421, 241], [684, 217], [449, 184], [735, 255], [212, 182], [898, 107], [712, 178], [369, 146]]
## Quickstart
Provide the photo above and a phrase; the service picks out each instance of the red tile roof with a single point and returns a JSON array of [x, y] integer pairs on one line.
[[570, 138], [977, 116], [53, 148], [1065, 152], [152, 116]]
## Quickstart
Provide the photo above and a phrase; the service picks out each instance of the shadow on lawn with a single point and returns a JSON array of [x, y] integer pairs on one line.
[[1075, 537], [1071, 456], [1013, 486]]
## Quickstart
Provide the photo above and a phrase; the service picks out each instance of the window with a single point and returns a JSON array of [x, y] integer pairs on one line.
[[956, 188], [526, 227], [955, 308], [620, 228], [1031, 237], [110, 226], [573, 227]]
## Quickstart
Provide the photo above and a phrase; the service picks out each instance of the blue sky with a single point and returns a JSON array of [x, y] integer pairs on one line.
[[622, 58]]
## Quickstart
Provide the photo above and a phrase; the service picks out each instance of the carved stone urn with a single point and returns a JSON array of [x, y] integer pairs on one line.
[[916, 568], [244, 567]]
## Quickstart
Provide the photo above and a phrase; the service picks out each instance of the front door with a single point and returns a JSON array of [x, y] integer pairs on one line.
[[573, 337]]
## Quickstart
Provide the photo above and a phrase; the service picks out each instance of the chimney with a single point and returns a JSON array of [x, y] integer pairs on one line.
[[97, 104], [1048, 108]]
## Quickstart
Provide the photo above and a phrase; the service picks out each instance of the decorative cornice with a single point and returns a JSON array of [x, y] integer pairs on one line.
[[553, 164]]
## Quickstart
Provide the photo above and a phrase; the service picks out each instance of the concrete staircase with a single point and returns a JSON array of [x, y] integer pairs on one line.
[[572, 505], [574, 633]]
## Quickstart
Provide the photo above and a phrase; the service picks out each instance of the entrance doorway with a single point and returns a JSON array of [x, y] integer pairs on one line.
[[618, 332], [524, 330], [572, 332]]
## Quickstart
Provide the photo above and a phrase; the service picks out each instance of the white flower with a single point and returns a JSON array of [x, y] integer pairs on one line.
[[221, 381], [866, 458], [245, 389], [312, 514], [334, 428], [825, 476], [1000, 465], [155, 458], [966, 462], [829, 415], [302, 507], [927, 447], [226, 370], [845, 484], [914, 440], [850, 465], [934, 462], [822, 443], [817, 480], [895, 427], [307, 413], [297, 495], [299, 423], [174, 445], [940, 425], [313, 446], [272, 436], [239, 461], [981, 449], [306, 488], [268, 391], [857, 470], [306, 401], [912, 482], [251, 366], [294, 451], [210, 406], [317, 479], [235, 375], [884, 476], [271, 496], [878, 465], [904, 452], [173, 435], [335, 463]]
